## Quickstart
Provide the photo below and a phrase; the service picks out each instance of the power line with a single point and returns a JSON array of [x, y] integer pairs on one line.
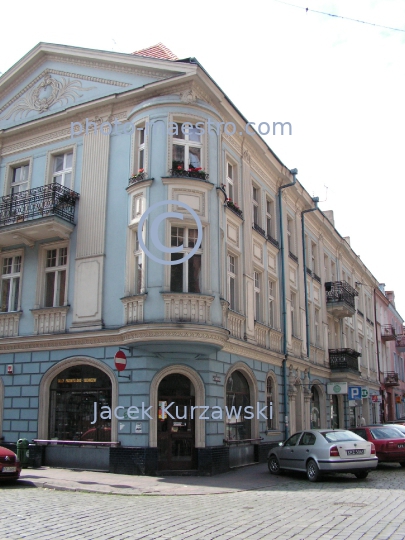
[[341, 17]]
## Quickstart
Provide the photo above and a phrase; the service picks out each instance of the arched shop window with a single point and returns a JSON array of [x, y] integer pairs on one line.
[[237, 398], [315, 409], [73, 395]]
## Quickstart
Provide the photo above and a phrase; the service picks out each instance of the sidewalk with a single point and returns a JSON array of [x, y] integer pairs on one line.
[[243, 479]]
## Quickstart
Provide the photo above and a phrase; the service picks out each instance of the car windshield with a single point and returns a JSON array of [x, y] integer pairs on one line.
[[340, 436], [386, 433]]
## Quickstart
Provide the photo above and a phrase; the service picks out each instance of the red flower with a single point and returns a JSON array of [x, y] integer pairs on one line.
[[179, 167], [141, 170]]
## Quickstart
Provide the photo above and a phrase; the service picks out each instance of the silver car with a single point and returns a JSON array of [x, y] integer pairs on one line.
[[323, 451]]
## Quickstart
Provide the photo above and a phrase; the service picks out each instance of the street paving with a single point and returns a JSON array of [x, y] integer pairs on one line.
[[288, 507]]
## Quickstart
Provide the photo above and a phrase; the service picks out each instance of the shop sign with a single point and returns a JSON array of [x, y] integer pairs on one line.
[[364, 392], [354, 392], [376, 399], [337, 388]]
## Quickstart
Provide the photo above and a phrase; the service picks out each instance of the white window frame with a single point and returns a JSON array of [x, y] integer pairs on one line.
[[187, 143], [256, 204], [317, 326], [270, 218], [42, 270], [290, 235], [232, 274], [272, 296], [10, 168], [293, 313], [257, 284], [200, 251], [52, 155], [12, 277], [65, 171], [139, 273], [57, 270]]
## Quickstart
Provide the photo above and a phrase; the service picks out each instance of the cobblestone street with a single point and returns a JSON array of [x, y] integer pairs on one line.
[[289, 508]]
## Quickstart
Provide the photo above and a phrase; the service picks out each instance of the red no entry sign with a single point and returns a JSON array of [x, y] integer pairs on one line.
[[120, 361]]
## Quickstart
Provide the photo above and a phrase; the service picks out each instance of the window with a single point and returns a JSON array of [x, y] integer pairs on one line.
[[230, 181], [19, 179], [232, 270], [237, 399], [186, 276], [270, 403], [138, 253], [326, 267], [314, 257], [270, 229], [187, 146], [137, 206], [257, 306], [290, 235], [55, 277], [272, 298], [292, 441], [10, 283], [62, 169], [140, 133], [317, 328], [308, 439], [293, 313], [332, 271], [255, 200]]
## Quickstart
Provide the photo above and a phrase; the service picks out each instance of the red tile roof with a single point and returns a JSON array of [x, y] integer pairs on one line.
[[157, 51]]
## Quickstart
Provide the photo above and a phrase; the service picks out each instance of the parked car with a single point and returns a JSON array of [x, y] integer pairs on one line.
[[389, 442], [10, 466], [400, 422], [399, 427], [324, 451]]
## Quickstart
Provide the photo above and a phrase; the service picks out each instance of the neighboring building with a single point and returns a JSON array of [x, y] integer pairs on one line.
[[391, 345], [241, 322]]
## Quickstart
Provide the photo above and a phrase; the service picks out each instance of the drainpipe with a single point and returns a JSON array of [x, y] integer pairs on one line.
[[378, 358], [294, 173], [315, 200]]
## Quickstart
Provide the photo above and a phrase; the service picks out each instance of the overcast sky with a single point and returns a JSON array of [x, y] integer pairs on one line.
[[339, 83]]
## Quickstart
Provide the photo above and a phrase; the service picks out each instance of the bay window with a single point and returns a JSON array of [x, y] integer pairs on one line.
[[187, 146]]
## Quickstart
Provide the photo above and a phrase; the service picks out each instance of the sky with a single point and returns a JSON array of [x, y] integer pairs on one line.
[[339, 83]]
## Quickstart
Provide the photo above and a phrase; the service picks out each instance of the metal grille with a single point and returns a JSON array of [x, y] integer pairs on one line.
[[44, 201]]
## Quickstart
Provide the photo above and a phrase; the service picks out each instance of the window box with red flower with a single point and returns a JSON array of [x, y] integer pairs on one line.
[[137, 177], [192, 172], [234, 207]]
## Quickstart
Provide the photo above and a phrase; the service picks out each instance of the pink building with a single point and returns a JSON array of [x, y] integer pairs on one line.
[[391, 354]]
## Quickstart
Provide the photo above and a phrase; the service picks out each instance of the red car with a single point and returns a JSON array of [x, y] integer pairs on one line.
[[10, 466], [388, 441]]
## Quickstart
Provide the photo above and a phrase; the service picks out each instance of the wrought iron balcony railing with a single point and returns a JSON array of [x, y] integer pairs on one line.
[[387, 332], [400, 342], [234, 207], [191, 173], [344, 359], [273, 241], [259, 229], [340, 291], [292, 256], [316, 277], [44, 201], [391, 379]]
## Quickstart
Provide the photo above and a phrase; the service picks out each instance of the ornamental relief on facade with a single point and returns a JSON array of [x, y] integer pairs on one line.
[[46, 94]]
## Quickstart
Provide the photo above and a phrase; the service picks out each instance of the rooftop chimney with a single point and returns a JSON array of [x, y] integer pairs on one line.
[[329, 215]]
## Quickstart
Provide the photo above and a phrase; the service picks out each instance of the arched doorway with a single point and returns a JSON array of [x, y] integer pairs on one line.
[[77, 395], [176, 423], [238, 426], [315, 408]]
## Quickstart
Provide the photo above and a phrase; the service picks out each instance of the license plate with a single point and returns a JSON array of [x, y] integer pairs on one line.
[[354, 452], [9, 469], [401, 445]]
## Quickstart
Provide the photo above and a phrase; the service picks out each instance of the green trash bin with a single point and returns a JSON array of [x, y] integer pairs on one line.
[[22, 451]]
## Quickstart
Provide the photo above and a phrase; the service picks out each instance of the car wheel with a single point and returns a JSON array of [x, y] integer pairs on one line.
[[361, 475], [313, 473], [274, 465], [402, 463]]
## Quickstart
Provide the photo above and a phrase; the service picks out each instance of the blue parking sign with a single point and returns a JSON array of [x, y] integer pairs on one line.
[[354, 392]]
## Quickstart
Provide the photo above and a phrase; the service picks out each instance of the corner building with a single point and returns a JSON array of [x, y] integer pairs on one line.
[[268, 310]]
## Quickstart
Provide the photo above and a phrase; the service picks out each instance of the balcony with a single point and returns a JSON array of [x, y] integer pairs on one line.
[[344, 360], [400, 342], [340, 299], [387, 332], [259, 229], [234, 207], [179, 171], [391, 379], [37, 214], [187, 307]]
